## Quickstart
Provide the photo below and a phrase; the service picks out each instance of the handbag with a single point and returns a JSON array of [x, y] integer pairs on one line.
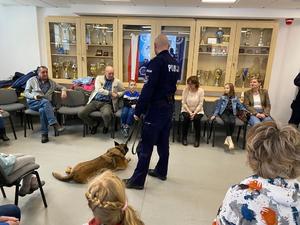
[[243, 115]]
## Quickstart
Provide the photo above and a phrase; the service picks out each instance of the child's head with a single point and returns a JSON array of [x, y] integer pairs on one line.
[[106, 198], [132, 85]]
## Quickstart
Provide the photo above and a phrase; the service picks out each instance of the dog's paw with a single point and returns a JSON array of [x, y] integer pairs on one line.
[[68, 170]]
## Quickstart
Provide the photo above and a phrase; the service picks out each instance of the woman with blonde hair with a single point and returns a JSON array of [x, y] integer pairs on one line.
[[106, 198], [272, 195]]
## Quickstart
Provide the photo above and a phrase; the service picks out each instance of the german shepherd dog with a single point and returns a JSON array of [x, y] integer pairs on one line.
[[113, 159]]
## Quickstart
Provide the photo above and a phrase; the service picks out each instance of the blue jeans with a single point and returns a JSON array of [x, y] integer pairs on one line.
[[44, 107], [10, 210], [127, 116], [254, 120], [1, 123]]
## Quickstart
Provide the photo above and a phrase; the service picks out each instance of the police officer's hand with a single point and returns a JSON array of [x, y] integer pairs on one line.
[[136, 117], [114, 95]]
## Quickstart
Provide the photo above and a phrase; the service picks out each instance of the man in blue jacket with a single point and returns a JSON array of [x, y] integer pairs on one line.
[[156, 102]]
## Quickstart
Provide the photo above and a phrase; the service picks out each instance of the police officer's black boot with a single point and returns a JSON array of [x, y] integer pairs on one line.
[[3, 134]]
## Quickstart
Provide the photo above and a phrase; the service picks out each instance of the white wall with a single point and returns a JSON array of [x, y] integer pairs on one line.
[[19, 43], [23, 49], [286, 66]]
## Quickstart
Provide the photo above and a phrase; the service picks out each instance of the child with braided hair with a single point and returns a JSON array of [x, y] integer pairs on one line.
[[106, 198]]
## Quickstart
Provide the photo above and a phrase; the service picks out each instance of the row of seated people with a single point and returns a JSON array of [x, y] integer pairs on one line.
[[256, 104], [269, 196], [108, 90]]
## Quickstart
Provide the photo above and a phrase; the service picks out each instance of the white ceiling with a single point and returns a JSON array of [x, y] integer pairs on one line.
[[270, 4]]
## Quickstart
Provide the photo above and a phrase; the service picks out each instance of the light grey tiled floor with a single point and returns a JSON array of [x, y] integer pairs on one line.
[[197, 181]]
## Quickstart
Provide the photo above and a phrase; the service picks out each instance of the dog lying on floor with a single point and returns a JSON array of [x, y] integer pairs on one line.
[[113, 159]]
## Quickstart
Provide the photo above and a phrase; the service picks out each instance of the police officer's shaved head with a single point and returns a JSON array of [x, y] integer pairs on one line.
[[161, 43]]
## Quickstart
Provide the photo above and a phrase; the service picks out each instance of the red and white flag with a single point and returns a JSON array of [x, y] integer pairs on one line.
[[133, 58]]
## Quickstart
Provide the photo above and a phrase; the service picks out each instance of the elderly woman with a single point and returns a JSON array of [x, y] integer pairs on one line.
[[192, 108], [272, 194], [257, 102]]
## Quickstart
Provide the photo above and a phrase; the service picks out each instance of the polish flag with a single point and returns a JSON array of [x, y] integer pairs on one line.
[[133, 58]]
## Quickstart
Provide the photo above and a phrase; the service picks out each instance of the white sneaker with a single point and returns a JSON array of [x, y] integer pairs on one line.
[[231, 145], [226, 142]]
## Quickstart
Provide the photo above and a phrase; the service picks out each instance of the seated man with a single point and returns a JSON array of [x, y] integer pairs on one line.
[[38, 93], [107, 91]]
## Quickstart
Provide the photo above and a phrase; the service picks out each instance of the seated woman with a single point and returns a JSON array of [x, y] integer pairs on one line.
[[10, 215], [2, 128], [192, 108], [272, 194], [107, 200], [226, 108], [11, 163], [257, 102]]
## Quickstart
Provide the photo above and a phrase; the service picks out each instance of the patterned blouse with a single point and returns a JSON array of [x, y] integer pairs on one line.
[[259, 201]]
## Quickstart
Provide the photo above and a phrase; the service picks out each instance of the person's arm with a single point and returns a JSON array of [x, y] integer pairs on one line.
[[218, 107], [99, 86], [297, 80], [267, 107], [184, 102], [28, 90], [200, 103], [247, 103], [121, 89], [153, 72], [61, 88], [240, 106]]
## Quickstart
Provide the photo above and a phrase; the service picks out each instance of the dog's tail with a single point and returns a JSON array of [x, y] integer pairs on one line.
[[63, 178]]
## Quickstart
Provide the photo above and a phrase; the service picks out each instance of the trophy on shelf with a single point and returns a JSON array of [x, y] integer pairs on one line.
[[219, 34], [203, 30], [74, 70], [89, 29], [99, 52], [56, 66], [98, 34], [93, 69], [104, 42], [245, 74], [218, 73], [206, 77], [248, 33], [66, 66], [260, 42]]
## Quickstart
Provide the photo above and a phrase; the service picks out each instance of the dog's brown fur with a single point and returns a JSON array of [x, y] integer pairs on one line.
[[113, 159]]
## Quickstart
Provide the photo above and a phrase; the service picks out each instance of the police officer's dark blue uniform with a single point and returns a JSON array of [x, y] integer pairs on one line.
[[156, 102]]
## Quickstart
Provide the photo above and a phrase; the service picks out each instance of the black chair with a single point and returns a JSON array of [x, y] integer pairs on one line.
[[72, 105], [7, 115], [15, 179], [10, 103]]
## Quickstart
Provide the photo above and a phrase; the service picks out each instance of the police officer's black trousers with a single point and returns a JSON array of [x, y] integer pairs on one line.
[[156, 130]]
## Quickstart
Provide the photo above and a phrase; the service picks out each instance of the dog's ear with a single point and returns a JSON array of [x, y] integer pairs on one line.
[[116, 143]]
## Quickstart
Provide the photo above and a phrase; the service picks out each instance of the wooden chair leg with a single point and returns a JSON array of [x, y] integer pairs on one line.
[[41, 188], [17, 194], [12, 127], [3, 192]]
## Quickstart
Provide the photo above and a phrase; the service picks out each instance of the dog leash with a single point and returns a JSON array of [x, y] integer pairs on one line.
[[136, 128]]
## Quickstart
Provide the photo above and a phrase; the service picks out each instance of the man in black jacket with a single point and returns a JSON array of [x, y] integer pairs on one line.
[[295, 117]]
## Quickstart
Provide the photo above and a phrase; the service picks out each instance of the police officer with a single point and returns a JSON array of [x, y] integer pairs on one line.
[[156, 102]]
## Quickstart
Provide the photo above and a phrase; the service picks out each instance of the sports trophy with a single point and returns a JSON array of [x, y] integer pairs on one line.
[[245, 73], [89, 29], [206, 77], [74, 70], [247, 37], [219, 35], [203, 30], [104, 42], [56, 69], [66, 65], [93, 69], [260, 42], [218, 73], [73, 34]]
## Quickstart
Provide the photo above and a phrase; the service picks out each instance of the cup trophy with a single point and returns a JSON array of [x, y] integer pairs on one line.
[[56, 69], [73, 34], [89, 29], [74, 70], [93, 69], [66, 66], [203, 30], [245, 73], [218, 73], [219, 35], [247, 37], [99, 52], [104, 42], [260, 42], [102, 66], [206, 77]]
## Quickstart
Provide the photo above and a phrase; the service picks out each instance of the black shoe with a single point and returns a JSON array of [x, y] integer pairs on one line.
[[105, 130], [94, 130], [45, 138], [152, 173], [4, 137], [130, 185], [184, 141], [196, 144]]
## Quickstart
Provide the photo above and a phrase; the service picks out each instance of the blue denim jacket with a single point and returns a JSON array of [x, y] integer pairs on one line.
[[222, 103]]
